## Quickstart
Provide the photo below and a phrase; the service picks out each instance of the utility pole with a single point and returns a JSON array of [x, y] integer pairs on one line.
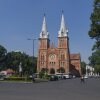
[[33, 52]]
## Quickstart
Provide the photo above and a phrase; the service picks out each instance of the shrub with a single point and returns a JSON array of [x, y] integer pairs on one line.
[[18, 79]]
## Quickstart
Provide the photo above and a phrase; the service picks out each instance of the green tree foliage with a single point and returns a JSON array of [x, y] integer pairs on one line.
[[94, 33], [95, 60], [52, 71], [13, 60], [34, 64], [43, 72], [83, 67], [97, 69], [61, 70], [3, 53]]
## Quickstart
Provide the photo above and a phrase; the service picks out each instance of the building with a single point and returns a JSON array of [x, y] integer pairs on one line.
[[58, 57], [89, 70]]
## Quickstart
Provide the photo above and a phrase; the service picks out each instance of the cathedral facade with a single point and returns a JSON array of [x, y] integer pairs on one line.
[[51, 57]]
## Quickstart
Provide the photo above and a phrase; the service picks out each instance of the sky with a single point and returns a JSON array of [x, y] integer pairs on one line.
[[22, 19]]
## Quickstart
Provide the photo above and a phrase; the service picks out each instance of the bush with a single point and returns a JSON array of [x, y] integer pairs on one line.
[[41, 74], [46, 76], [18, 79]]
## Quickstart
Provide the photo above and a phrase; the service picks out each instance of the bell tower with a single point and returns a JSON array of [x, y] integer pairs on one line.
[[44, 43], [63, 46]]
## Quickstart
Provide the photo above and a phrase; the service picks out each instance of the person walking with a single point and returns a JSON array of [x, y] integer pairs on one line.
[[33, 78], [82, 79]]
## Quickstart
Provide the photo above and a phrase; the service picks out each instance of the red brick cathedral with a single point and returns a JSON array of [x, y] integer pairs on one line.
[[51, 57]]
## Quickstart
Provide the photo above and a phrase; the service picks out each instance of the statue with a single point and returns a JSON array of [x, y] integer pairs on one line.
[[20, 69]]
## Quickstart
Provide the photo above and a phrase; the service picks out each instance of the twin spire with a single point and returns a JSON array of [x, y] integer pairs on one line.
[[44, 33], [62, 32]]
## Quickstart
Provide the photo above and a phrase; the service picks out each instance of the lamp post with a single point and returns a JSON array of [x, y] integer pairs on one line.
[[33, 52]]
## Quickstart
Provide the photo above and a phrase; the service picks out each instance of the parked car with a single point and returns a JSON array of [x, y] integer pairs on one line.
[[53, 78], [86, 76], [67, 76], [2, 76], [60, 76]]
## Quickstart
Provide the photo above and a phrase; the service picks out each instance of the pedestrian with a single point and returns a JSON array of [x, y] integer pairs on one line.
[[33, 78], [82, 79]]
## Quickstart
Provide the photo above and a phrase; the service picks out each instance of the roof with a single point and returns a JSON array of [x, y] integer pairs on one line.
[[74, 56]]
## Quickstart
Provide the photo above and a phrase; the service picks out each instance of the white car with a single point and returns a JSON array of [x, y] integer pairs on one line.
[[85, 76], [66, 76]]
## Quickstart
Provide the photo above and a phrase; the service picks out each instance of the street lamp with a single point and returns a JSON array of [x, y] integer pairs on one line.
[[33, 50]]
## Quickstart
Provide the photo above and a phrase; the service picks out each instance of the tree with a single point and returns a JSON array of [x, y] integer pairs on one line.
[[61, 70], [52, 71], [14, 59], [97, 69], [27, 64], [3, 53], [83, 67], [44, 70], [95, 60], [94, 32], [35, 65]]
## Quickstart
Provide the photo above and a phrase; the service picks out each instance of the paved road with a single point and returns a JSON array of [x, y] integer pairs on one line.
[[70, 89]]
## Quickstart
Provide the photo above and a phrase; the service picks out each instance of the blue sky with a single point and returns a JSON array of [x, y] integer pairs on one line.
[[22, 19]]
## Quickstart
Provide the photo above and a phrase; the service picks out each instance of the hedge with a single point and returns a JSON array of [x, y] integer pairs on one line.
[[18, 79]]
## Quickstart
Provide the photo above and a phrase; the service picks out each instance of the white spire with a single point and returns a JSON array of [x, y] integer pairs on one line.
[[63, 31], [44, 32]]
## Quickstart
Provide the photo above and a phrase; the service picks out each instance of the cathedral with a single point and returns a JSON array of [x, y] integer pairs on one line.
[[51, 57]]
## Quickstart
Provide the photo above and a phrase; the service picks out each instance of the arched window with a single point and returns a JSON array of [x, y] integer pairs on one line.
[[41, 57], [54, 63], [60, 64], [63, 56], [60, 56], [60, 43], [63, 64]]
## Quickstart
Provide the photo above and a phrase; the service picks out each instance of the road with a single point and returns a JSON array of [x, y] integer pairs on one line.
[[70, 89]]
